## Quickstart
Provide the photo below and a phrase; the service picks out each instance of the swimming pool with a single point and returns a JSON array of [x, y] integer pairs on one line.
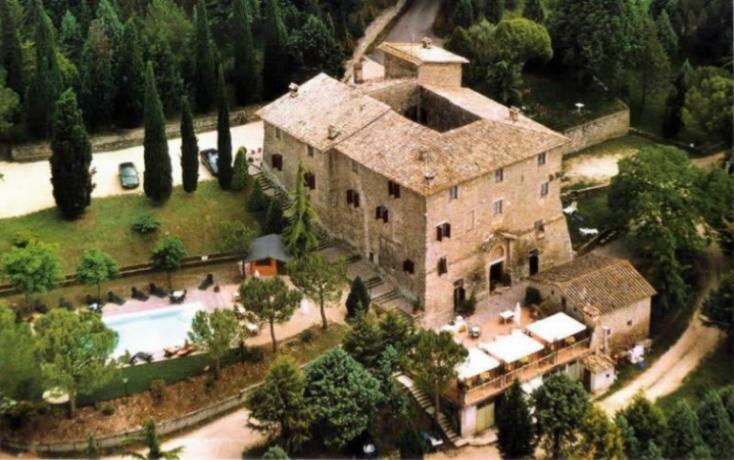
[[152, 331]]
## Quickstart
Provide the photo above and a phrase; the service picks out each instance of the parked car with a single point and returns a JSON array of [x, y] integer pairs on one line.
[[475, 331], [431, 441], [209, 159], [128, 175]]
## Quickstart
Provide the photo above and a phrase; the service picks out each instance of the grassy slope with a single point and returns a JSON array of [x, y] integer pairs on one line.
[[106, 225]]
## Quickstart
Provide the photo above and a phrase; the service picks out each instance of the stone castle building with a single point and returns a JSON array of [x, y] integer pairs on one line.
[[446, 191]]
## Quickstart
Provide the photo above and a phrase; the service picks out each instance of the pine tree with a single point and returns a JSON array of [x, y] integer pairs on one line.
[[684, 438], [320, 51], [300, 233], [495, 10], [533, 10], [130, 78], [716, 429], [244, 74], [71, 38], [363, 341], [276, 64], [204, 67], [98, 85], [224, 136], [45, 87], [514, 424], [189, 149], [157, 179], [11, 54], [71, 157], [240, 173], [109, 17], [666, 34]]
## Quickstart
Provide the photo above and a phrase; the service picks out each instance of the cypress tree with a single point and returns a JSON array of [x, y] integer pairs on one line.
[[98, 85], [533, 10], [167, 74], [274, 219], [716, 429], [300, 233], [495, 10], [11, 54], [672, 122], [256, 200], [666, 34], [464, 14], [71, 157], [130, 78], [110, 19], [684, 438], [358, 300], [70, 37], [189, 149], [224, 137], [276, 63], [241, 175], [244, 74], [157, 179], [514, 424], [204, 71], [46, 84]]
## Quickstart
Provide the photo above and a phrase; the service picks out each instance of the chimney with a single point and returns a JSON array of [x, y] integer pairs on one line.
[[514, 113], [426, 42], [357, 72], [333, 132], [293, 89]]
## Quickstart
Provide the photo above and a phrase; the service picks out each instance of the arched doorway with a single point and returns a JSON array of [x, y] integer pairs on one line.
[[496, 267]]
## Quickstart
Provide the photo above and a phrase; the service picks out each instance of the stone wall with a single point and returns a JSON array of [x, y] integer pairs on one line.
[[598, 130], [441, 114], [443, 74], [399, 68]]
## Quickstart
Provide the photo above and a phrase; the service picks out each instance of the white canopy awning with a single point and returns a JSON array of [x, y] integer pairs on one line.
[[556, 327], [513, 347], [476, 363]]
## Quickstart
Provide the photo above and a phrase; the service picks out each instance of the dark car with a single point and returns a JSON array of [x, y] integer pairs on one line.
[[209, 158], [128, 175]]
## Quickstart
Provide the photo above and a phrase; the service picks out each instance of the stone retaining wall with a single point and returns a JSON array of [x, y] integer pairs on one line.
[[598, 130]]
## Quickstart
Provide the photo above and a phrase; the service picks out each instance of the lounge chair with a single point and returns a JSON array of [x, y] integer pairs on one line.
[[157, 291], [139, 295], [114, 298], [208, 281]]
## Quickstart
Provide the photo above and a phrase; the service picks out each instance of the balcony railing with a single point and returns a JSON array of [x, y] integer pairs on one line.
[[479, 392]]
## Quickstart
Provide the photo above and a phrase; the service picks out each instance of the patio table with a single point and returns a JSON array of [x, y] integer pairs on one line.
[[507, 315]]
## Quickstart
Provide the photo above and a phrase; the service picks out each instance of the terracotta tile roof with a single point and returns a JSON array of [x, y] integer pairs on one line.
[[606, 283], [418, 54], [597, 363], [320, 102]]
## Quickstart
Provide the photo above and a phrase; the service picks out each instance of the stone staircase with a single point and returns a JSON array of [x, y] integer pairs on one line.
[[425, 402]]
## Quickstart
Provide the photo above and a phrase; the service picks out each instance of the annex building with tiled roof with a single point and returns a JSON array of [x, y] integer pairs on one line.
[[445, 190], [607, 293]]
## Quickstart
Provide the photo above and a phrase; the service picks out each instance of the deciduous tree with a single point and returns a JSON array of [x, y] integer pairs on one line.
[[647, 423], [73, 350], [95, 268], [20, 376], [515, 431], [189, 149], [32, 269], [224, 137], [168, 254], [463, 13], [320, 279], [270, 301], [600, 439], [70, 159], [318, 49], [495, 10], [214, 332], [708, 109], [157, 178]]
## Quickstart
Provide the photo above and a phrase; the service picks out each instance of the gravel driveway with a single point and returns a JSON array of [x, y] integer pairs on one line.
[[26, 187]]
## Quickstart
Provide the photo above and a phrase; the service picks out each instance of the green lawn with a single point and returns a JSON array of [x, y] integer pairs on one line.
[[106, 225], [552, 98], [714, 371], [593, 208], [625, 145]]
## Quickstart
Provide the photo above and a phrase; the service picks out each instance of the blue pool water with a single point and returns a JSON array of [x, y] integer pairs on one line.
[[152, 331]]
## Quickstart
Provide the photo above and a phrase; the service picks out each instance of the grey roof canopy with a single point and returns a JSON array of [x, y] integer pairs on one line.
[[268, 247]]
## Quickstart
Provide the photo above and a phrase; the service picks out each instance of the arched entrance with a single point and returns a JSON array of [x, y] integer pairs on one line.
[[496, 267]]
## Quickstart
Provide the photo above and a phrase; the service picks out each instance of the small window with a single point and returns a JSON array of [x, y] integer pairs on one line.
[[393, 189], [443, 266], [544, 187], [541, 159], [277, 161], [539, 225], [443, 231], [499, 175], [278, 134], [453, 192], [309, 179], [497, 207], [355, 166], [629, 323], [408, 266], [381, 212], [353, 198], [310, 150]]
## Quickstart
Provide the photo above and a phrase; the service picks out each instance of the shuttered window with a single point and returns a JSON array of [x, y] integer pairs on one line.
[[353, 198], [408, 266], [309, 179], [443, 266], [393, 189], [381, 212], [443, 231]]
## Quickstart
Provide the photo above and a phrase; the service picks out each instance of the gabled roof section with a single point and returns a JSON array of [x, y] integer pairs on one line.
[[318, 104], [419, 54], [606, 283], [268, 247]]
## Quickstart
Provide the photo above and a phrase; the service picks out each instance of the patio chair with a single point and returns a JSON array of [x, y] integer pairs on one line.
[[208, 281], [114, 298], [139, 295], [157, 290]]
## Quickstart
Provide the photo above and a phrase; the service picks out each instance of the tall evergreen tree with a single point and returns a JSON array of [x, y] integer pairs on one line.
[[276, 64], [515, 433], [71, 39], [157, 179], [224, 136], [300, 233], [98, 85], [240, 173], [71, 157], [672, 120], [167, 74], [189, 149], [495, 10], [45, 87], [130, 77], [651, 62], [109, 17], [716, 428], [464, 14], [11, 54], [666, 34], [319, 49], [533, 10], [684, 437], [204, 62], [244, 74]]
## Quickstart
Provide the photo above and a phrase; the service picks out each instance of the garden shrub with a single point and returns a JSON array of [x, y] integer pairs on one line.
[[532, 296], [306, 336], [22, 238], [158, 390], [254, 354], [145, 224]]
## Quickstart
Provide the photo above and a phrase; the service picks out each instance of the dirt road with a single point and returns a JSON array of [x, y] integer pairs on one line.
[[668, 372], [26, 187]]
